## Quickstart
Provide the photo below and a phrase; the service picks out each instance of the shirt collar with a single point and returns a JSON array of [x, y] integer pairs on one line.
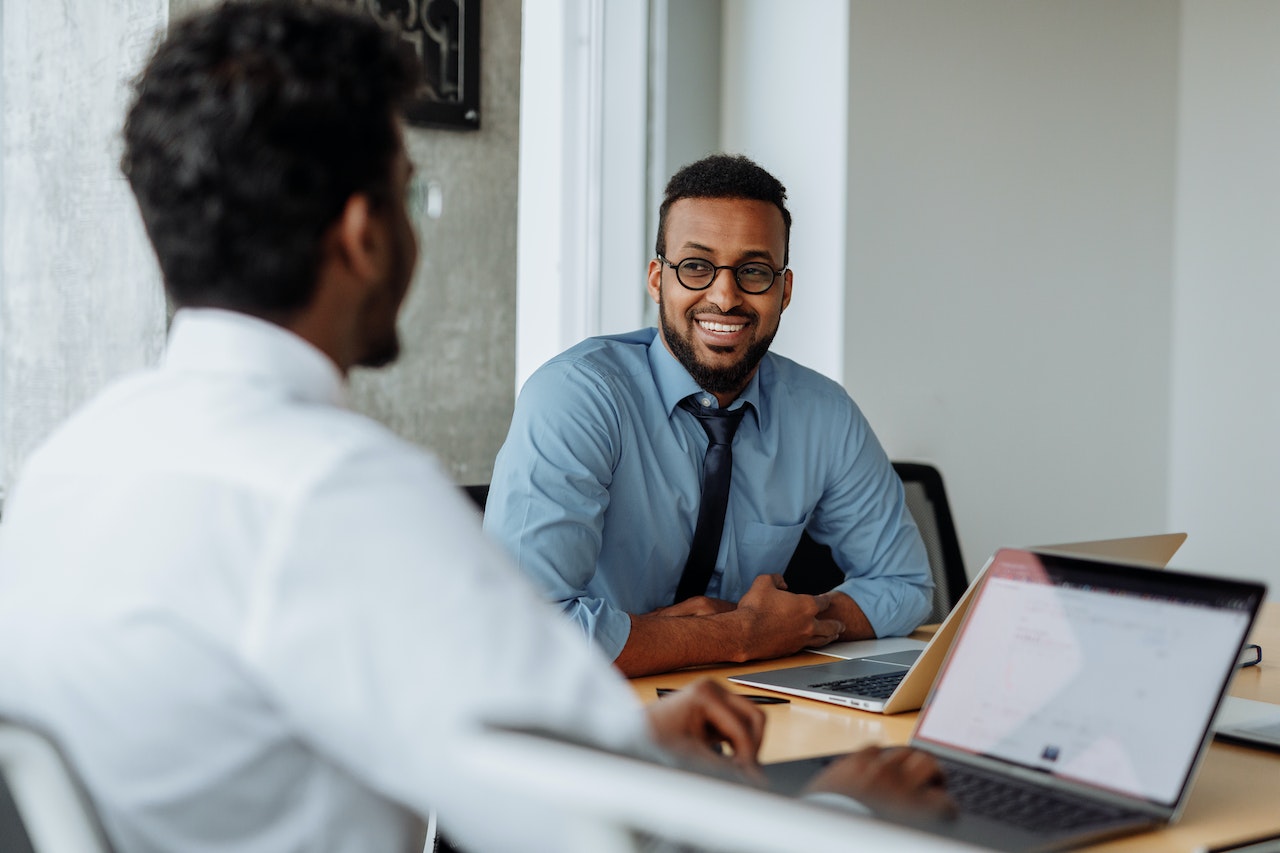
[[674, 382], [212, 340]]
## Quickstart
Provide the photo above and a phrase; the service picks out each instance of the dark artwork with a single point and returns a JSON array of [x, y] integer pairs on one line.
[[445, 34]]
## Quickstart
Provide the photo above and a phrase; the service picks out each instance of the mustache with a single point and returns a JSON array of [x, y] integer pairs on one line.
[[737, 311]]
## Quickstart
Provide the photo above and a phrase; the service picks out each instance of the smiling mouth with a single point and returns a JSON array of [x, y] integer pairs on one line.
[[713, 326]]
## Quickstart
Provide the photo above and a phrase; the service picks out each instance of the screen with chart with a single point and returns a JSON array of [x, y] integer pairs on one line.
[[1108, 681]]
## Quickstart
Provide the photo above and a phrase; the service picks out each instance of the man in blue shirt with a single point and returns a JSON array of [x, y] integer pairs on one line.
[[596, 491]]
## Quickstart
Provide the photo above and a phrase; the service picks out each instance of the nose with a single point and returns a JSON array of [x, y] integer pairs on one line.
[[724, 292]]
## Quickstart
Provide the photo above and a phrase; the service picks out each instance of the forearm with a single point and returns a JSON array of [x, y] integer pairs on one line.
[[659, 643], [768, 622], [844, 609], [893, 605]]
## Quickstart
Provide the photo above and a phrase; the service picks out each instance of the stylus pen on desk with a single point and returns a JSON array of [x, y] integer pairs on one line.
[[758, 698]]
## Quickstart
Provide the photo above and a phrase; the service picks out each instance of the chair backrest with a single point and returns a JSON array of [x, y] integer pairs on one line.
[[43, 808], [927, 501], [813, 569], [479, 494]]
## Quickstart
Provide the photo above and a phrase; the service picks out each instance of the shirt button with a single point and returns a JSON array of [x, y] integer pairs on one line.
[[706, 402]]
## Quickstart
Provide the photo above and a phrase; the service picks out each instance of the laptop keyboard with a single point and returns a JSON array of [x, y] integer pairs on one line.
[[1023, 805], [875, 686]]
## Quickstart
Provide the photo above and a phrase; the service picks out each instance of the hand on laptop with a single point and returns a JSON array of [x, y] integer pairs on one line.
[[698, 721], [895, 782]]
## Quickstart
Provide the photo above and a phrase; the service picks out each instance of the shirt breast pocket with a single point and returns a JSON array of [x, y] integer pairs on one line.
[[767, 548]]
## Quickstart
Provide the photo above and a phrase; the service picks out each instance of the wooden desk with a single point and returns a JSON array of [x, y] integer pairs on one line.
[[1236, 794]]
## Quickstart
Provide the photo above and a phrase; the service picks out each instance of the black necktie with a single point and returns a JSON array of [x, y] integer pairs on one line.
[[717, 468]]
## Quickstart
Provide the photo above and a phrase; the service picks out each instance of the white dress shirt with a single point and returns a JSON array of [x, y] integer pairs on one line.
[[256, 620]]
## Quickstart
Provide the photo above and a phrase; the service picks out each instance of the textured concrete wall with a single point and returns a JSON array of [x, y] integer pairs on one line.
[[81, 301], [453, 388]]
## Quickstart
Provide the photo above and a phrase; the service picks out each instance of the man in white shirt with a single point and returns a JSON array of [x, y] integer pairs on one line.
[[254, 619]]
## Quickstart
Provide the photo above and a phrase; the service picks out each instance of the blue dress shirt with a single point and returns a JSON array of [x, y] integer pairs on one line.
[[595, 492]]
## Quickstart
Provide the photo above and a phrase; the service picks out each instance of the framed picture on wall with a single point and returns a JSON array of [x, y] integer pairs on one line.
[[445, 35]]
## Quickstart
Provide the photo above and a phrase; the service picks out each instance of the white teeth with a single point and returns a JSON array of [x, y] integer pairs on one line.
[[720, 327]]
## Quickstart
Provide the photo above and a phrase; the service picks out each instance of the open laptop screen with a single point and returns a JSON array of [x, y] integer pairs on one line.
[[1099, 673]]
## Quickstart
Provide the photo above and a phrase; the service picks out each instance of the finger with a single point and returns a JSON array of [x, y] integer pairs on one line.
[[888, 767], [865, 762], [920, 768], [918, 778], [890, 758], [937, 803], [826, 630], [738, 721], [823, 600]]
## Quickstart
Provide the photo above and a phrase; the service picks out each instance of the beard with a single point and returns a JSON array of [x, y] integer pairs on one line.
[[384, 352], [718, 380], [382, 346]]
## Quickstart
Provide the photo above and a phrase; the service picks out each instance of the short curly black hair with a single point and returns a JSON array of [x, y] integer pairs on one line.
[[250, 128], [723, 176]]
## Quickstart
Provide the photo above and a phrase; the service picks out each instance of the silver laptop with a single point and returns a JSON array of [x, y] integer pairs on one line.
[[1078, 698], [1248, 722], [894, 675]]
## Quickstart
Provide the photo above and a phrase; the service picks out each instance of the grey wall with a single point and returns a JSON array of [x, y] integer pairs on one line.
[[691, 88], [82, 303], [1010, 244]]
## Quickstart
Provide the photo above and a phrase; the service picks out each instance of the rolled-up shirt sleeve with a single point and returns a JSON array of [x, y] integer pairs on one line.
[[550, 490], [862, 515]]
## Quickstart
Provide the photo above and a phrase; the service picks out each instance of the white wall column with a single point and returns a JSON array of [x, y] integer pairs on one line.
[[583, 177], [1224, 456], [786, 107]]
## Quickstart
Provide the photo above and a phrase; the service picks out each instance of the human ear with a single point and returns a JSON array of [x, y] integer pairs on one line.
[[655, 281], [356, 237]]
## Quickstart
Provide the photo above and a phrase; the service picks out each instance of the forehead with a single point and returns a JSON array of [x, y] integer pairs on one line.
[[728, 225]]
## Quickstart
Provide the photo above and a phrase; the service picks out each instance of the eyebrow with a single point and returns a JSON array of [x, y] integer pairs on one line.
[[750, 253]]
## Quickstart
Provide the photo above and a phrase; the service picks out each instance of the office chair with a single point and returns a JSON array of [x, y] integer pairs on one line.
[[43, 809], [479, 494], [813, 569]]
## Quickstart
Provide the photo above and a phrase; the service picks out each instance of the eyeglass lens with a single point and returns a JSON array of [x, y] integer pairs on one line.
[[752, 277]]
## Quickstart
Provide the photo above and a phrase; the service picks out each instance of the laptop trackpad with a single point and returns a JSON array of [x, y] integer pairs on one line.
[[790, 777], [824, 673], [906, 658]]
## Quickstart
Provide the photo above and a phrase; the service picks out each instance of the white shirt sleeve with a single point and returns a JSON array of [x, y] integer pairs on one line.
[[386, 626]]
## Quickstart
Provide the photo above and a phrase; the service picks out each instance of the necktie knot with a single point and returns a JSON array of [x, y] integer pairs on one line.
[[719, 424]]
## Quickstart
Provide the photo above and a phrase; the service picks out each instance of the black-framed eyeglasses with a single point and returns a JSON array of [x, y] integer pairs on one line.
[[754, 277], [1250, 655]]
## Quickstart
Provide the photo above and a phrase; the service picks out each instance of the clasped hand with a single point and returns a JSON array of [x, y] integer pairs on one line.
[[775, 622]]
